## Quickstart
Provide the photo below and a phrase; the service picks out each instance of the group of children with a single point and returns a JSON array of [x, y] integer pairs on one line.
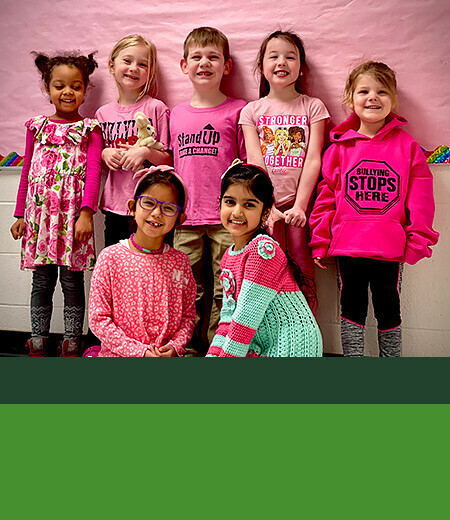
[[206, 257]]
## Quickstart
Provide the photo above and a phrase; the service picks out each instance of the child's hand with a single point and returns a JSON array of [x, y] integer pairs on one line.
[[133, 157], [167, 350], [318, 262], [83, 226], [295, 217], [150, 352], [275, 214], [18, 228], [163, 351], [112, 158]]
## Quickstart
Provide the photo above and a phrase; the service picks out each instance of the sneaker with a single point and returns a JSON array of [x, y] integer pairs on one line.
[[69, 347], [35, 346]]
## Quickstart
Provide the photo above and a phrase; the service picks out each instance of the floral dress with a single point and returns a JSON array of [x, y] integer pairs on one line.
[[55, 191]]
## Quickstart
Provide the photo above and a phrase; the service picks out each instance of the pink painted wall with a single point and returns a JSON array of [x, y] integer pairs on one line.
[[410, 35]]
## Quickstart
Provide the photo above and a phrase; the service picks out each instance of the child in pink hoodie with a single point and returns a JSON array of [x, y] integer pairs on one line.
[[374, 208]]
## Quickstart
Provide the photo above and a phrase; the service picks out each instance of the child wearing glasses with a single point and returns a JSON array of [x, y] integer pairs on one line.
[[142, 299]]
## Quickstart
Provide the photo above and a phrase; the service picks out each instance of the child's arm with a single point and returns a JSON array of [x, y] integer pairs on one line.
[[18, 227], [296, 216], [242, 152], [184, 333], [112, 158], [324, 208], [133, 158], [263, 272], [83, 225], [420, 207], [253, 146], [101, 314]]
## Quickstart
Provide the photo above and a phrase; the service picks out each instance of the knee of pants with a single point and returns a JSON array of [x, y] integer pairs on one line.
[[44, 280], [359, 318], [354, 309], [72, 283], [388, 317]]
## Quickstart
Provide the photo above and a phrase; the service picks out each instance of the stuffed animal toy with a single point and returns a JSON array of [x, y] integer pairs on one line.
[[146, 132]]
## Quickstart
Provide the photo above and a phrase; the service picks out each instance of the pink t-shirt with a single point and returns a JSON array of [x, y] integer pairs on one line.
[[204, 142], [283, 130], [118, 127]]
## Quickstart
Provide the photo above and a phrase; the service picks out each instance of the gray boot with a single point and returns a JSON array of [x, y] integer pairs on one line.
[[390, 342], [352, 338]]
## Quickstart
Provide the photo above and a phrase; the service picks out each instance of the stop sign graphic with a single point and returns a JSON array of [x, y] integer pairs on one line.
[[372, 187]]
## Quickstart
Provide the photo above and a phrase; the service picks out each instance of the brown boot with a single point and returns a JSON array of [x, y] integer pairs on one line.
[[36, 346], [69, 347]]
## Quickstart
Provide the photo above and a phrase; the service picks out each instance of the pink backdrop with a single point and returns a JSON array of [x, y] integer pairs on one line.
[[411, 36]]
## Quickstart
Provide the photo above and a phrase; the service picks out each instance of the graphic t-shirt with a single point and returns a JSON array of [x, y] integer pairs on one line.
[[119, 127], [283, 130], [204, 142]]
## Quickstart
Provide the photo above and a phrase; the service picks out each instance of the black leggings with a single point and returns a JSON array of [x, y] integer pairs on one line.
[[44, 283], [355, 276]]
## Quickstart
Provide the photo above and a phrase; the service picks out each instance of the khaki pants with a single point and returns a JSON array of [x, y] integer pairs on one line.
[[205, 246]]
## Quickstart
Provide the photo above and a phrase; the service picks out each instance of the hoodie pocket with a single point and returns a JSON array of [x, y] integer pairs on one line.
[[381, 238]]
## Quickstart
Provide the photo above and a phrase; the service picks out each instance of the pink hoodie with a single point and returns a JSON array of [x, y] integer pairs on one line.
[[376, 198]]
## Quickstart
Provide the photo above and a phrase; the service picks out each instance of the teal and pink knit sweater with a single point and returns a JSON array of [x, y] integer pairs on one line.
[[264, 313]]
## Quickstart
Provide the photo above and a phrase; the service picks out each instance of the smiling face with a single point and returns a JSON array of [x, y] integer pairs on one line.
[[281, 64], [241, 213], [66, 90], [372, 103], [153, 225], [205, 66], [130, 68]]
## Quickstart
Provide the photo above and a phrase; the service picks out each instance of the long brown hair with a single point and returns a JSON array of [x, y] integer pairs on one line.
[[295, 40]]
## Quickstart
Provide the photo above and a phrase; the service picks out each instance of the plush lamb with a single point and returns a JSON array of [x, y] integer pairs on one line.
[[146, 132]]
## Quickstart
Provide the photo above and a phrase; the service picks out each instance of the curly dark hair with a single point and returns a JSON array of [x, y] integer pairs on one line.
[[85, 64]]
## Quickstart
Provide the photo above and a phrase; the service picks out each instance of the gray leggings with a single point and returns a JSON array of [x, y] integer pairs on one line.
[[44, 283]]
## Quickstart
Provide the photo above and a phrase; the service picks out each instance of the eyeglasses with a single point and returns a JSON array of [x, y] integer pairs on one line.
[[169, 209]]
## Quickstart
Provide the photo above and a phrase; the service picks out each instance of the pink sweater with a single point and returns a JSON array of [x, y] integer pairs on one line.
[[138, 300], [376, 198]]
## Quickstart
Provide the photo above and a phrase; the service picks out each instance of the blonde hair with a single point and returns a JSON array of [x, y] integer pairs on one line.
[[205, 36], [151, 86], [380, 72]]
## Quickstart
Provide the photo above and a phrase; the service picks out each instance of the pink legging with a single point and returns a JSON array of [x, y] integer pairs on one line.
[[294, 240]]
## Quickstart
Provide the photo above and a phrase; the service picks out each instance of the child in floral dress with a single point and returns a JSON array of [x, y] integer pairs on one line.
[[57, 198]]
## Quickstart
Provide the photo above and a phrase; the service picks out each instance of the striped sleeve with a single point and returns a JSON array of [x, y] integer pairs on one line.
[[262, 277]]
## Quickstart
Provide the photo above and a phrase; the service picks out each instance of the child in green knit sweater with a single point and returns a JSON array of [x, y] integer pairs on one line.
[[264, 312]]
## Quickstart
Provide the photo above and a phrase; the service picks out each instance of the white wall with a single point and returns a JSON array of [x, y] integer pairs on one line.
[[425, 291]]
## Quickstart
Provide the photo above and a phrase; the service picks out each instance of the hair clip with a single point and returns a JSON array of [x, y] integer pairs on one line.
[[234, 163], [141, 175]]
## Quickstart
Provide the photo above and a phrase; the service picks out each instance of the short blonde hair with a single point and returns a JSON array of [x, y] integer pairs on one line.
[[151, 86], [205, 36], [380, 72]]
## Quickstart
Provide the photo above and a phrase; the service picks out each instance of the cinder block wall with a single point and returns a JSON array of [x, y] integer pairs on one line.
[[425, 290]]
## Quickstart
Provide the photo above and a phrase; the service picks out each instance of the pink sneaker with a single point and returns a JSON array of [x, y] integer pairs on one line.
[[35, 346], [92, 351]]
